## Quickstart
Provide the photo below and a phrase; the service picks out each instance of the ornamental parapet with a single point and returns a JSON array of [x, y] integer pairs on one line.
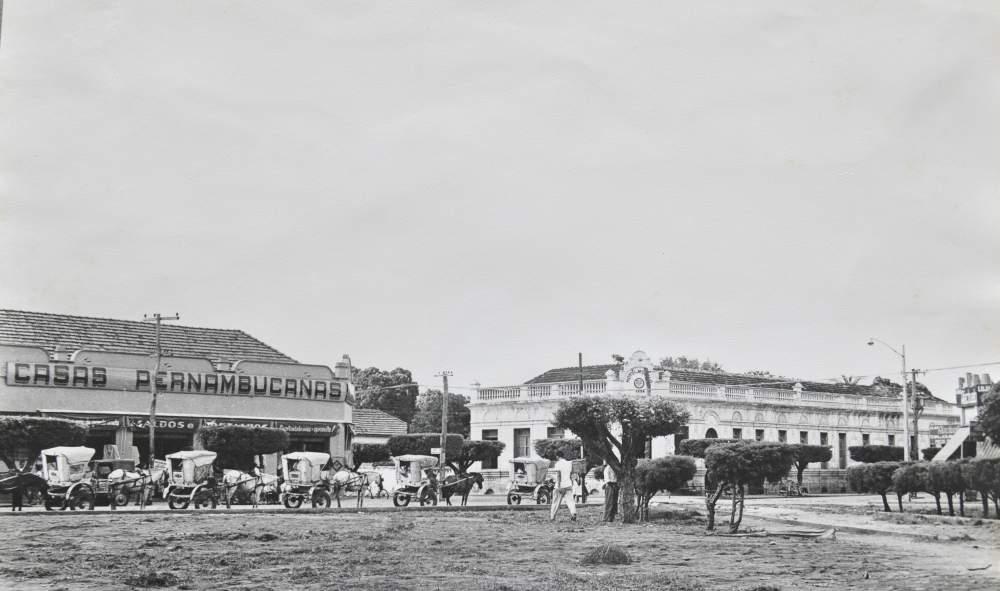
[[697, 392]]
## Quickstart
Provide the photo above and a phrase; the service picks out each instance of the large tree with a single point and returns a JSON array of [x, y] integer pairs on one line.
[[983, 475], [428, 416], [391, 391], [369, 453], [874, 478], [989, 416], [735, 466], [26, 437], [617, 428]]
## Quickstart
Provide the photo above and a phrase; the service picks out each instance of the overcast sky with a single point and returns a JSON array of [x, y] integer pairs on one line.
[[491, 187]]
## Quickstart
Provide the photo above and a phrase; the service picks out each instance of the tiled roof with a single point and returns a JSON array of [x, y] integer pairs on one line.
[[69, 333], [597, 372], [570, 374], [370, 421]]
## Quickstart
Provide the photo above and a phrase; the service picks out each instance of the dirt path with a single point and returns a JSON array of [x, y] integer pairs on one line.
[[490, 550]]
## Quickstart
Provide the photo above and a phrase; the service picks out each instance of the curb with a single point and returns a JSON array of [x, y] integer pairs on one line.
[[278, 510]]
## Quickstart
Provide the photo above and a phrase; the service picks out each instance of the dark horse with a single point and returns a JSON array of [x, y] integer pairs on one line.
[[19, 483], [461, 485]]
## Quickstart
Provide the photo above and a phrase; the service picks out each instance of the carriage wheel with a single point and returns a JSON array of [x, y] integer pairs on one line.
[[428, 498], [513, 499], [321, 499], [119, 499], [176, 502], [206, 498], [81, 500], [543, 498], [293, 501], [52, 505], [400, 500]]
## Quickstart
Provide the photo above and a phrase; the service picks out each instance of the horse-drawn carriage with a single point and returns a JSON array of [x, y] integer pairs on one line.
[[415, 480], [67, 474], [305, 479], [116, 481], [528, 481], [191, 479]]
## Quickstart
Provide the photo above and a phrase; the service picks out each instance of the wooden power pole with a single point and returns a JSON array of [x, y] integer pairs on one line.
[[158, 319]]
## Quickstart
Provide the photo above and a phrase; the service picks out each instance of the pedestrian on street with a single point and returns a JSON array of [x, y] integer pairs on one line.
[[610, 493], [564, 488]]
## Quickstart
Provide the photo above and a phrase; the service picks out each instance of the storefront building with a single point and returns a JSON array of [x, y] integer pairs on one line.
[[721, 405], [98, 372]]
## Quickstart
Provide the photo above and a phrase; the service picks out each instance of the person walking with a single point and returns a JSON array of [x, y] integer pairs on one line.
[[610, 493], [564, 489]]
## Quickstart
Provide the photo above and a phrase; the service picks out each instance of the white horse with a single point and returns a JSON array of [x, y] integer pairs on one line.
[[125, 483], [252, 485]]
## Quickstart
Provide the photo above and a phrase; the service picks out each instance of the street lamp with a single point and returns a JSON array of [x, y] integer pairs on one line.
[[906, 412]]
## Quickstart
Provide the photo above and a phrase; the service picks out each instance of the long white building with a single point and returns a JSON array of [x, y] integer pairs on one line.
[[723, 405]]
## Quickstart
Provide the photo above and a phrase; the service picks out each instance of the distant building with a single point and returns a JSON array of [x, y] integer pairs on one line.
[[957, 440], [722, 405], [97, 371], [373, 426]]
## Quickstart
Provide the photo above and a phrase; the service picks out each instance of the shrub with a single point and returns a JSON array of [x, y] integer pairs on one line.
[[607, 554], [475, 450], [365, 453], [869, 454], [872, 478], [22, 437], [928, 453], [983, 475], [808, 454], [696, 447], [738, 465], [910, 478], [653, 476], [237, 446], [947, 478]]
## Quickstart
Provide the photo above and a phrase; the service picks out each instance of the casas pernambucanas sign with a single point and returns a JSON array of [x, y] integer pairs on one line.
[[61, 375]]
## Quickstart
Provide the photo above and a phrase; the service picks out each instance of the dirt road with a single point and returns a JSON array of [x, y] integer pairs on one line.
[[495, 550]]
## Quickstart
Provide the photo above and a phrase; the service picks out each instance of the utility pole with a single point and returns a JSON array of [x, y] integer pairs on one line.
[[917, 408], [907, 451], [158, 319], [444, 430], [580, 360]]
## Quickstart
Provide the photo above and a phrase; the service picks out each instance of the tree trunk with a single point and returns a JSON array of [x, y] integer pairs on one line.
[[899, 501], [710, 500], [885, 503], [986, 504], [799, 475], [996, 505], [937, 501], [737, 517], [626, 489], [961, 503], [951, 507]]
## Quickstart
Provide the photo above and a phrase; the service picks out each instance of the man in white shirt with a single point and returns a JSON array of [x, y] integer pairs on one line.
[[610, 493], [564, 486]]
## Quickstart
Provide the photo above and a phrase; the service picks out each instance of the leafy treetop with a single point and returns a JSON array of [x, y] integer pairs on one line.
[[421, 444], [696, 447], [236, 446], [428, 416], [989, 415], [742, 464], [870, 454], [475, 450], [390, 391], [369, 453], [683, 362]]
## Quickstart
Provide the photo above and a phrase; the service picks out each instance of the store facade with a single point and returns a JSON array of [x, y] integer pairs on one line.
[[99, 372]]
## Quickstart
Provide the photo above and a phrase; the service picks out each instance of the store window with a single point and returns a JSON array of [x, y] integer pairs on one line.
[[490, 435], [866, 439], [737, 433], [804, 437], [759, 435], [782, 436], [522, 443], [892, 439]]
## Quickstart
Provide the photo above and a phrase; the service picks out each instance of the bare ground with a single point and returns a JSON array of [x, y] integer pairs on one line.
[[494, 551]]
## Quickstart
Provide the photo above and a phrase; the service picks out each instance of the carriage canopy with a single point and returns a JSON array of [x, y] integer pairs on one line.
[[190, 467], [529, 469], [66, 464], [304, 467], [410, 467]]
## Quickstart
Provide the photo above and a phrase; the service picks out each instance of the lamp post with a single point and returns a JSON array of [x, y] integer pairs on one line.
[[906, 412]]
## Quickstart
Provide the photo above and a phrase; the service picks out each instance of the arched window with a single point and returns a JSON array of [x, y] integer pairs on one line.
[[711, 434]]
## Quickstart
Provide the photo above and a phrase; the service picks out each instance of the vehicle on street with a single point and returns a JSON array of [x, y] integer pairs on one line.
[[191, 480], [528, 480], [68, 476], [415, 480], [306, 478]]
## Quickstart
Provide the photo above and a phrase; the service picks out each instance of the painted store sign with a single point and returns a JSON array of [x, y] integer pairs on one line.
[[138, 380]]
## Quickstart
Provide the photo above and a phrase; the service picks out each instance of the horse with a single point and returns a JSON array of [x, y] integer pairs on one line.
[[351, 480], [462, 485], [249, 486], [143, 482]]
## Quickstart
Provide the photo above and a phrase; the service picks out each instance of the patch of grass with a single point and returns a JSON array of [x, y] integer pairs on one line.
[[607, 554]]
